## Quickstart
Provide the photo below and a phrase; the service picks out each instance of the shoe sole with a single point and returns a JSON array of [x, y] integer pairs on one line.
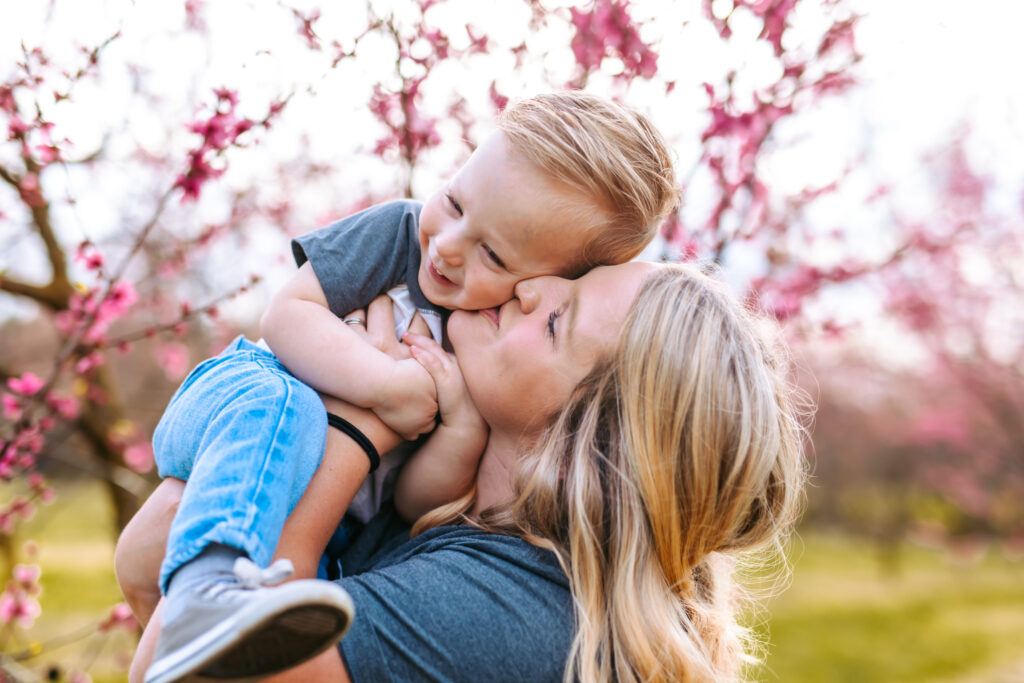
[[262, 639]]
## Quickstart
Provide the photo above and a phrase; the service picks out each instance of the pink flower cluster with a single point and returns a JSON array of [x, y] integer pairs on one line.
[[774, 15], [19, 451], [119, 617], [95, 314], [409, 130], [88, 255], [219, 131], [18, 603], [605, 29], [784, 296]]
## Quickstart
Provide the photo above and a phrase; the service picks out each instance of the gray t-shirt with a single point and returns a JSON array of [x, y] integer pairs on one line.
[[373, 252], [453, 604], [367, 254]]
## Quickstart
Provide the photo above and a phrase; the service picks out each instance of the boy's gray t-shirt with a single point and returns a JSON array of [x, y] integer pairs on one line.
[[367, 254], [373, 252], [453, 604]]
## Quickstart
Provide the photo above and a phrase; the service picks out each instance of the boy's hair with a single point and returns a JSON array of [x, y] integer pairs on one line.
[[607, 151]]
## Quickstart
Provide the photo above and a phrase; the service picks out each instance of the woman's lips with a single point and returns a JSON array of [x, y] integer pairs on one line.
[[438, 277], [492, 315]]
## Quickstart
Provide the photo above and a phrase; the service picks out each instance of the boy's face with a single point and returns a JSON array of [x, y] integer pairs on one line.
[[498, 221]]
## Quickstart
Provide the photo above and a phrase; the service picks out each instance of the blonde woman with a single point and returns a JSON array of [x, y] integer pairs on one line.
[[642, 438]]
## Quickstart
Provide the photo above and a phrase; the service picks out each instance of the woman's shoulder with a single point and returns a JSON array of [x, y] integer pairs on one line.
[[385, 542], [463, 600]]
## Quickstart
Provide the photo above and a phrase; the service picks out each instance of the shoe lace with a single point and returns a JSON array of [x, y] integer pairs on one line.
[[250, 576]]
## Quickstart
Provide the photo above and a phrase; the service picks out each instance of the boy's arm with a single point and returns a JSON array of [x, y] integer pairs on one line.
[[444, 467], [337, 359]]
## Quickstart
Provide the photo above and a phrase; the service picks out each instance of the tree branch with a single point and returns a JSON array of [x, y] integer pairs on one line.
[[48, 295]]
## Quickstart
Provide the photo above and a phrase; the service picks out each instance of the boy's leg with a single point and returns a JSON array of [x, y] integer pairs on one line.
[[248, 436], [309, 526]]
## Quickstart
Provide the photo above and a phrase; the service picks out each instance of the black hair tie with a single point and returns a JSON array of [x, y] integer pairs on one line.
[[357, 436]]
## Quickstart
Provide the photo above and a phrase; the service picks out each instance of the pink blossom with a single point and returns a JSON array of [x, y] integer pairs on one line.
[[47, 154], [26, 576], [219, 131], [607, 30], [30, 190], [65, 406], [20, 509], [199, 172], [7, 99], [139, 456], [88, 362], [120, 616], [17, 128], [839, 37], [38, 484], [119, 299], [26, 385], [12, 407], [173, 358], [306, 27], [497, 99], [16, 606], [88, 254], [477, 42], [194, 15], [942, 426]]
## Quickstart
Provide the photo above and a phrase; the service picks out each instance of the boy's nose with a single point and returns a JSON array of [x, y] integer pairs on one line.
[[449, 247], [528, 294]]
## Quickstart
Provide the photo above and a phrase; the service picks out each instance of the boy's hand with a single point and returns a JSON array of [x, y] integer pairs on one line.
[[408, 403], [458, 412], [407, 400]]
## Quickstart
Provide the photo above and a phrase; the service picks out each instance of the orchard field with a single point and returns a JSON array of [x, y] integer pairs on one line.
[[850, 167]]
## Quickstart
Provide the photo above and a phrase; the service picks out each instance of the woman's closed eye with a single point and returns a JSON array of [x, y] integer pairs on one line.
[[552, 317]]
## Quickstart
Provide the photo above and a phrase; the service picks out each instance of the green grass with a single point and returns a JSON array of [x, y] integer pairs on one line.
[[841, 619], [844, 619], [75, 550]]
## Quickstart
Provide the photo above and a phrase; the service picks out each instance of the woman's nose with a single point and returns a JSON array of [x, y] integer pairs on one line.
[[449, 246]]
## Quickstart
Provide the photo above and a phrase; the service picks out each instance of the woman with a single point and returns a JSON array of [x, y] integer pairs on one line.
[[642, 438]]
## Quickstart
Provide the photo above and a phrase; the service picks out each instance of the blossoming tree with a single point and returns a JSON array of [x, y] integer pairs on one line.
[[140, 193]]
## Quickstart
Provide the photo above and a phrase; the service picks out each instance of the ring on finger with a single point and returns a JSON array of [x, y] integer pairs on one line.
[[353, 321]]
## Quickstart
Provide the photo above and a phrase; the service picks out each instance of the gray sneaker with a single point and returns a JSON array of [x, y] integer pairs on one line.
[[245, 631]]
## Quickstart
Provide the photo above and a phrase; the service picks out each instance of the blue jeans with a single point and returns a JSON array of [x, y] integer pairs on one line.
[[248, 437]]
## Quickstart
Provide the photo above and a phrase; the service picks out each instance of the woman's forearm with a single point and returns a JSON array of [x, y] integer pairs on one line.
[[341, 473]]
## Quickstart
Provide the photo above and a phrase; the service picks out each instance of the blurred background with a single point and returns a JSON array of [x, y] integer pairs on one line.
[[853, 166]]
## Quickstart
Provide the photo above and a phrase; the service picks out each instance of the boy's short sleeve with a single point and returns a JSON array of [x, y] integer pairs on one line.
[[460, 607], [364, 255]]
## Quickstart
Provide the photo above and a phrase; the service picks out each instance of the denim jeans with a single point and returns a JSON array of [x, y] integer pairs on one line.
[[248, 437]]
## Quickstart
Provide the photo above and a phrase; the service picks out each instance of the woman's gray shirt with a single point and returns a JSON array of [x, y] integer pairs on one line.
[[453, 604]]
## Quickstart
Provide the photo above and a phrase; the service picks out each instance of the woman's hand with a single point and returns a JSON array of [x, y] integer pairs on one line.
[[407, 402]]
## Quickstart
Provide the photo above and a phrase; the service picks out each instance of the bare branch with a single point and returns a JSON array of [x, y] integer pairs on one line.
[[47, 295]]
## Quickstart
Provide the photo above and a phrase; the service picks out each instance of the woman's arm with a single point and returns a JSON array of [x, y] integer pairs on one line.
[[341, 473]]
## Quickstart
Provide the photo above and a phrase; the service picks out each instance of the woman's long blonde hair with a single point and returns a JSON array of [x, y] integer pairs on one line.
[[673, 457]]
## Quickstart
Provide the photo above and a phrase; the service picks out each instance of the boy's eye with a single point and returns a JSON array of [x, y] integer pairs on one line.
[[494, 257], [455, 204]]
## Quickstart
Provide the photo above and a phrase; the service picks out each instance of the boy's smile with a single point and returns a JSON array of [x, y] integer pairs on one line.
[[498, 221]]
